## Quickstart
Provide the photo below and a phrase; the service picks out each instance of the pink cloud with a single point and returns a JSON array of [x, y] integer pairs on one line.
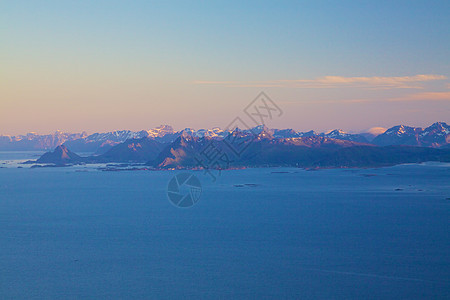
[[376, 82], [376, 130]]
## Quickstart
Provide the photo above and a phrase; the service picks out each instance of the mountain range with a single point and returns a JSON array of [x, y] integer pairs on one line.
[[261, 146], [436, 135]]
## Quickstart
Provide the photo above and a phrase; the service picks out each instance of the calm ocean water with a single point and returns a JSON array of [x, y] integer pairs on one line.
[[333, 234]]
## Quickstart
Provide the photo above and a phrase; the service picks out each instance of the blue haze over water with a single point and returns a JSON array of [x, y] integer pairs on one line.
[[343, 233]]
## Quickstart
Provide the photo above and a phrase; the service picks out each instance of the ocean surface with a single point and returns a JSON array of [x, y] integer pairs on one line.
[[275, 233]]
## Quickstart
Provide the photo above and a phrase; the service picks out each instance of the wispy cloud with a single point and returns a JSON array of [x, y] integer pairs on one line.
[[394, 82], [332, 101], [428, 96], [423, 97]]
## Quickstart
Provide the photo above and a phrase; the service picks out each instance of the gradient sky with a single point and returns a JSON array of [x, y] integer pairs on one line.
[[109, 65]]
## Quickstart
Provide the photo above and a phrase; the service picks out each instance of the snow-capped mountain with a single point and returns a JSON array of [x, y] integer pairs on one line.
[[436, 135], [215, 132], [82, 142], [402, 130], [342, 135], [34, 141], [160, 131], [308, 133], [285, 133], [102, 142], [123, 135], [116, 136]]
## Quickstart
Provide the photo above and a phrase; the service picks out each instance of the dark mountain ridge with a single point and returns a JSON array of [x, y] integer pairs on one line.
[[60, 156], [132, 150]]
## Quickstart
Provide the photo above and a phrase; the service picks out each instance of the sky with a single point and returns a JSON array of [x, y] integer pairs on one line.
[[99, 66]]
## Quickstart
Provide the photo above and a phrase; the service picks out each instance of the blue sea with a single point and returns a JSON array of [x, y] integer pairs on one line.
[[271, 233]]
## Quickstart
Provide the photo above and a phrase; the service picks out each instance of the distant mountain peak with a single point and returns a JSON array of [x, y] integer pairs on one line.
[[63, 151], [336, 132], [342, 135], [441, 126], [164, 127], [160, 131], [402, 130], [61, 155], [308, 133], [265, 135]]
